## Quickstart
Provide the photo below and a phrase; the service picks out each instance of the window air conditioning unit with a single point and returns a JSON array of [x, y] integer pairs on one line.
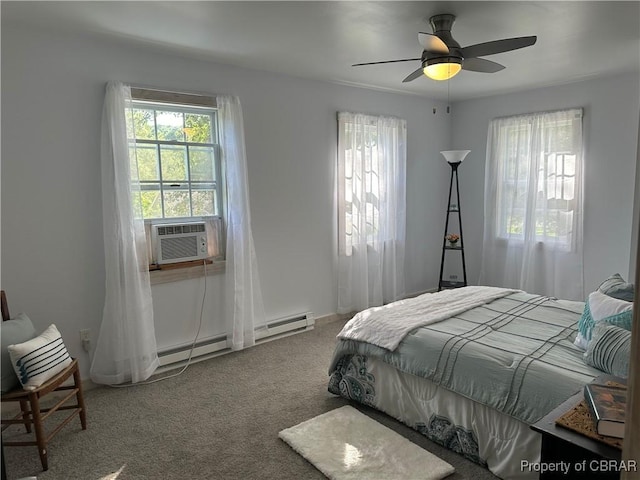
[[180, 242]]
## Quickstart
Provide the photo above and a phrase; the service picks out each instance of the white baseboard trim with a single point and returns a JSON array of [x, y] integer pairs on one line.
[[88, 384]]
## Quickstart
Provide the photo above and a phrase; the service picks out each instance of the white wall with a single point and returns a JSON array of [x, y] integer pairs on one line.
[[611, 108], [52, 247]]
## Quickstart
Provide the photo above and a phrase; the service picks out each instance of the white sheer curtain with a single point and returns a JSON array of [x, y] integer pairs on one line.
[[371, 210], [533, 204], [244, 306], [126, 346]]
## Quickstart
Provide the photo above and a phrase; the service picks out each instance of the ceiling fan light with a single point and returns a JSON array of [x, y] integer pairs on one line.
[[442, 70]]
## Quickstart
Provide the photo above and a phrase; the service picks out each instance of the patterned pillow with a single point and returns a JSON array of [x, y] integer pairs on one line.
[[616, 287], [17, 330], [603, 308], [609, 350], [39, 359]]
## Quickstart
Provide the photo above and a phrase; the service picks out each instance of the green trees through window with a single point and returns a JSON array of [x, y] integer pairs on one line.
[[174, 157]]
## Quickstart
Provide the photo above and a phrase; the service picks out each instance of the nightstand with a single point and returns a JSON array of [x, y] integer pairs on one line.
[[586, 459]]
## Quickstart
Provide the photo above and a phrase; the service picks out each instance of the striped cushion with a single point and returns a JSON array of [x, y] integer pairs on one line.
[[616, 287], [609, 350], [39, 359]]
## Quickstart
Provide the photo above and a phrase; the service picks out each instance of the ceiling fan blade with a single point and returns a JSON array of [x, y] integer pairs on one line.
[[481, 65], [413, 75], [387, 61], [432, 43], [497, 46]]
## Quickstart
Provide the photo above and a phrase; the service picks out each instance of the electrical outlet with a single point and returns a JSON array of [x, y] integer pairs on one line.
[[85, 338]]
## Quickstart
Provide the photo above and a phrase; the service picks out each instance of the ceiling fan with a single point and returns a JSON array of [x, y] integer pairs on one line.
[[443, 57]]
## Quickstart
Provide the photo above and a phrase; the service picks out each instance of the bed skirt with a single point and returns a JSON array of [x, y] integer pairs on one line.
[[480, 433]]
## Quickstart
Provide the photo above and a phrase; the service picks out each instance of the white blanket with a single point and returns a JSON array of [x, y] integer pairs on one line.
[[386, 326]]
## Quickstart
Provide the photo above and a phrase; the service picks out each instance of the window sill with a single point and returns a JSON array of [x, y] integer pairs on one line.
[[176, 272]]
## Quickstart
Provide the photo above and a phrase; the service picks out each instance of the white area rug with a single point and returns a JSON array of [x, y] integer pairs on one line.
[[345, 444]]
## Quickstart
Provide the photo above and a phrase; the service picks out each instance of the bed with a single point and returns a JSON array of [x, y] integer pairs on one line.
[[470, 368]]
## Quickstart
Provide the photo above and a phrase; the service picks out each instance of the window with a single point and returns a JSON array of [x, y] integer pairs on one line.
[[538, 176], [175, 159], [368, 157], [361, 193], [176, 163]]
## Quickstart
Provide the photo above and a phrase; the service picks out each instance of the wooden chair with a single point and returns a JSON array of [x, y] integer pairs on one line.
[[30, 409]]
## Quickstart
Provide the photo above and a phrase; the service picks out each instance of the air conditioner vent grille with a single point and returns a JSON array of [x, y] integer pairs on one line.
[[180, 247]]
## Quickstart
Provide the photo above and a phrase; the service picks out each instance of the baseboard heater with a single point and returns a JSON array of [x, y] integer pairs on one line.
[[215, 346]]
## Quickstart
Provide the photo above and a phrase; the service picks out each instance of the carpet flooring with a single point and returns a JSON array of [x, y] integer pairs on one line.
[[218, 420]]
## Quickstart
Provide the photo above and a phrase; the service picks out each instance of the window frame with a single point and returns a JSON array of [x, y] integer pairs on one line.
[[189, 185]]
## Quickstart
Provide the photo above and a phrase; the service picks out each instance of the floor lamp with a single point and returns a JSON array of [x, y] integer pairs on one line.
[[454, 158]]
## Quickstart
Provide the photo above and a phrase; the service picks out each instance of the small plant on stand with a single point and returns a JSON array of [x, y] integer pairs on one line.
[[452, 238]]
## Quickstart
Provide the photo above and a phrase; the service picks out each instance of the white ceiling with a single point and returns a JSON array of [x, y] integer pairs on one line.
[[321, 40]]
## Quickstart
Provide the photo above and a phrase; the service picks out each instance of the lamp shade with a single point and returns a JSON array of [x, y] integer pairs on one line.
[[455, 156]]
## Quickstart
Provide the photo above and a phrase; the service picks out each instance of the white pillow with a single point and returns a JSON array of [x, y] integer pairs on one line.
[[603, 306], [39, 359]]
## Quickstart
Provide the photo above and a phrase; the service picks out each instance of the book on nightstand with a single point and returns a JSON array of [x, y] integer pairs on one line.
[[607, 405]]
